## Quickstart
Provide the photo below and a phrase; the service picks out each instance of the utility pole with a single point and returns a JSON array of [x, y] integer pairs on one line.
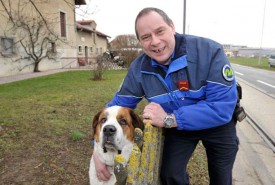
[[261, 49], [184, 15]]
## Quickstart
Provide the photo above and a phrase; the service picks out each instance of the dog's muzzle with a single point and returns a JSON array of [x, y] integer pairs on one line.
[[109, 132]]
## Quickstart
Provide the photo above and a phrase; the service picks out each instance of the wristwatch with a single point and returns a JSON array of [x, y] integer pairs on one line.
[[169, 121]]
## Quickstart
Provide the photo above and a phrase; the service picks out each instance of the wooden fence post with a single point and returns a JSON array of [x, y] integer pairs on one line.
[[144, 165]]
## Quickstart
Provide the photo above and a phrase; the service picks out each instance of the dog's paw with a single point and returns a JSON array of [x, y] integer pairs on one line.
[[120, 169], [138, 139]]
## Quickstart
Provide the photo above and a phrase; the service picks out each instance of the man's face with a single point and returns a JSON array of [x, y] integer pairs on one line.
[[156, 37]]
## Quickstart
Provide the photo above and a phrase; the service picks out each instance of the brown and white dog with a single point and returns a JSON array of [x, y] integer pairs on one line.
[[114, 129]]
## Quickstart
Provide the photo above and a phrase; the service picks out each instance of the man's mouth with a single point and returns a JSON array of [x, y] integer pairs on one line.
[[159, 50]]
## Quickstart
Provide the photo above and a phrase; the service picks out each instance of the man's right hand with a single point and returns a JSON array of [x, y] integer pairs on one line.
[[102, 172]]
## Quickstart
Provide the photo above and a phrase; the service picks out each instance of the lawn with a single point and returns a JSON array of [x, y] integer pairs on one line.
[[261, 63], [45, 128]]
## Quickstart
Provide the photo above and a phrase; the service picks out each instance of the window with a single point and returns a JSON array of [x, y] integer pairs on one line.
[[96, 51], [100, 50], [51, 47], [7, 46], [80, 49], [63, 24], [91, 49]]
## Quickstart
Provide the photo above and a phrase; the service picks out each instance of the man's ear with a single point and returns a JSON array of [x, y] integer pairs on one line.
[[173, 27]]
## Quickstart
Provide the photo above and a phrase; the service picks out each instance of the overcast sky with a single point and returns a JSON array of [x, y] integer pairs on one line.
[[237, 22]]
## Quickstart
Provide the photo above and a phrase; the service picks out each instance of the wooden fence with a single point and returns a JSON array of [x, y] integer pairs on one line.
[[144, 164]]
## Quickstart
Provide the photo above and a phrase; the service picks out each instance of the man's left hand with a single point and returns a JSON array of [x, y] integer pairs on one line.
[[155, 114]]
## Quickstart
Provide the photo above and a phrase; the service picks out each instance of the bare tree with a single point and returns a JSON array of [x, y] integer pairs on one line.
[[100, 67], [34, 33], [127, 47], [86, 11]]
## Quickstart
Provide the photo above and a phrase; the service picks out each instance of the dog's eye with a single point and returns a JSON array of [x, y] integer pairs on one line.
[[103, 120], [123, 122]]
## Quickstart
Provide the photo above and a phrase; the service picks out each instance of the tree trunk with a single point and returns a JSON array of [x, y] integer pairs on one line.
[[36, 67]]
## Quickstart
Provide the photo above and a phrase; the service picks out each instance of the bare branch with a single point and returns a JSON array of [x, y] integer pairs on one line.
[[38, 11], [7, 11]]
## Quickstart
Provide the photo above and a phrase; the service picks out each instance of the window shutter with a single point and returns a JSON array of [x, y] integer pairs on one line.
[[7, 46], [62, 24]]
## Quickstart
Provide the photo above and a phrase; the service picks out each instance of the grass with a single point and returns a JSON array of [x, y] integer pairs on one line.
[[261, 63], [77, 135], [45, 128]]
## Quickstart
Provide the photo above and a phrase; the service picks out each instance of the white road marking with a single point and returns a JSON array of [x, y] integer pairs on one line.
[[239, 73], [266, 84]]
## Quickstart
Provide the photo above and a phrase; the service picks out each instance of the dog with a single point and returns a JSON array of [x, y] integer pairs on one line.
[[113, 132]]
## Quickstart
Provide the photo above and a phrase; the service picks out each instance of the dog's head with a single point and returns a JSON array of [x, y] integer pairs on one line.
[[114, 126]]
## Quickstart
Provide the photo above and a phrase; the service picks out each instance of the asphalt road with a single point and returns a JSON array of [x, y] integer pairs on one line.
[[262, 79]]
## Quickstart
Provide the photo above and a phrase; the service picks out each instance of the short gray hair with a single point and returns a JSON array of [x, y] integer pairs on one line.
[[145, 11]]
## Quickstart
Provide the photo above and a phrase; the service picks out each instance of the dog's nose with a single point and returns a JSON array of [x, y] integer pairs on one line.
[[109, 130]]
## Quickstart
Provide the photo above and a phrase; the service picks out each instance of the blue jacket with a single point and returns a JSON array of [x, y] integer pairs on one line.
[[198, 87]]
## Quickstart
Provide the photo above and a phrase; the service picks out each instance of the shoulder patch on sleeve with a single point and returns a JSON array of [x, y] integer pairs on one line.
[[227, 73]]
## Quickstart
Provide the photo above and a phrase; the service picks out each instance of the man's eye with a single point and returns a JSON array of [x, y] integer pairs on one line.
[[145, 38], [123, 122], [160, 32]]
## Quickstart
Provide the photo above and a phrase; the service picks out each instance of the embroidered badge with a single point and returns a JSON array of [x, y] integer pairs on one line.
[[183, 85], [227, 72]]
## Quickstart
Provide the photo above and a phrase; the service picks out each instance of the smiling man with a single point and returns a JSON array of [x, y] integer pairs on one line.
[[156, 37], [191, 90]]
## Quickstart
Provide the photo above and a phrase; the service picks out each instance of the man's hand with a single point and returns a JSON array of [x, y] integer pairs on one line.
[[102, 172], [154, 113]]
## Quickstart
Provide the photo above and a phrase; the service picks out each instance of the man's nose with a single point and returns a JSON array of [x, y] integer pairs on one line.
[[155, 40]]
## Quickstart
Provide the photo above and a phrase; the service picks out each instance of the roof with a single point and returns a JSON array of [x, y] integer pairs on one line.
[[102, 34], [80, 2], [81, 25], [86, 22]]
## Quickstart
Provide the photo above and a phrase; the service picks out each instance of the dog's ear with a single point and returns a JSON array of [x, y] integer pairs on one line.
[[137, 122], [95, 120]]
